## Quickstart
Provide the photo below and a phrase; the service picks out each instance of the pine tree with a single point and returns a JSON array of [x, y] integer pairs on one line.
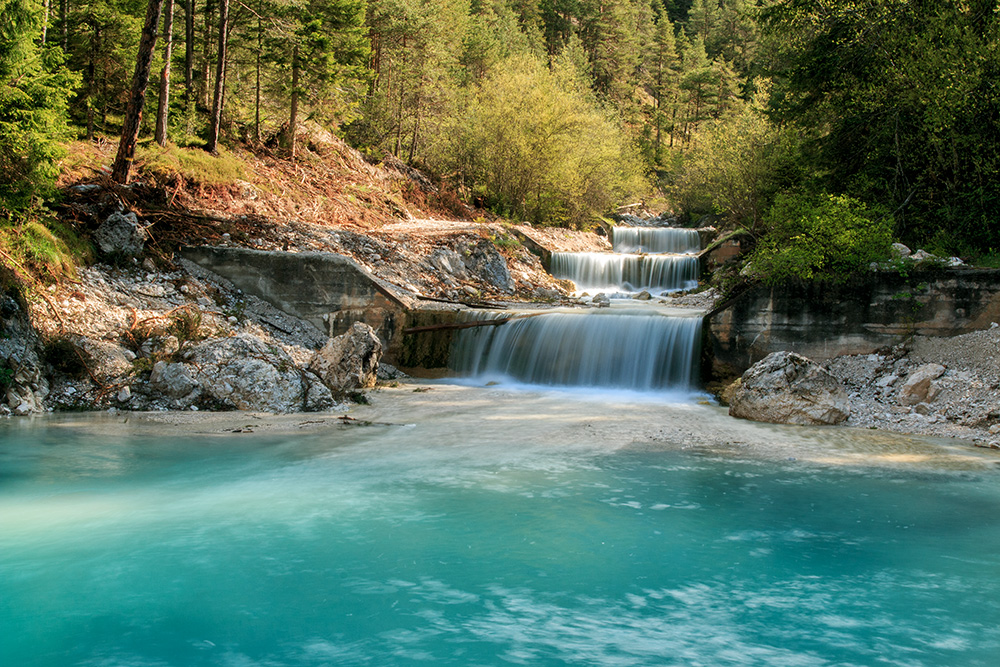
[[34, 88]]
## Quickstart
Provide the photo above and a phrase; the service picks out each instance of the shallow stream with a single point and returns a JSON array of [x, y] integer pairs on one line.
[[482, 526]]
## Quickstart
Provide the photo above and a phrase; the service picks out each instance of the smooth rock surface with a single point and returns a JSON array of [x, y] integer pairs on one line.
[[787, 388]]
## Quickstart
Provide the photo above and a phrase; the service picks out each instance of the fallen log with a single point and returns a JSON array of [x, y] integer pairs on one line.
[[468, 325], [458, 325]]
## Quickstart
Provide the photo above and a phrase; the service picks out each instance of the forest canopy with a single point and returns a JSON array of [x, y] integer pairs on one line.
[[554, 111]]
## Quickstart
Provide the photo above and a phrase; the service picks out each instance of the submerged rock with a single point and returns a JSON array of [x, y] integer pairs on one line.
[[349, 361], [787, 388]]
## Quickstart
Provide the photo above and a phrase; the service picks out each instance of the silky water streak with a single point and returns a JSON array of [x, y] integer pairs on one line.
[[621, 349], [607, 271], [655, 240]]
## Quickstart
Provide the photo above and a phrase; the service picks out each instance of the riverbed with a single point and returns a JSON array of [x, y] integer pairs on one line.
[[453, 524]]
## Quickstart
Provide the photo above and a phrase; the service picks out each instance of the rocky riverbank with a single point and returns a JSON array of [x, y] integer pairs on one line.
[[946, 387]]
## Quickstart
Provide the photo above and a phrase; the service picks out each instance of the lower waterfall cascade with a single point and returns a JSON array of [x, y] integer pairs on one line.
[[620, 349]]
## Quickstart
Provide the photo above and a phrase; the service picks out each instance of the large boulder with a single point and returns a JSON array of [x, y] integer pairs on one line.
[[107, 361], [787, 388], [485, 262], [349, 361], [241, 372], [479, 260]]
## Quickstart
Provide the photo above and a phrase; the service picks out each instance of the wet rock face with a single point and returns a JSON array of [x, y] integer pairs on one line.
[[787, 388], [121, 234], [350, 361]]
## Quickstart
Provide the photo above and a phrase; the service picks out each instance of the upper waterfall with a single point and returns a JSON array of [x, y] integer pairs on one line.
[[655, 240]]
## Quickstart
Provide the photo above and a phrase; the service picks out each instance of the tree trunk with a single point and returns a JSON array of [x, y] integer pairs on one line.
[[45, 20], [164, 101], [256, 105], [137, 98], [91, 80], [220, 78], [63, 11], [188, 51], [206, 53], [293, 116]]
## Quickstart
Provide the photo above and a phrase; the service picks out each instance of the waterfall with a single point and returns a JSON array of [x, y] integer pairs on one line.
[[655, 239], [620, 349], [605, 271]]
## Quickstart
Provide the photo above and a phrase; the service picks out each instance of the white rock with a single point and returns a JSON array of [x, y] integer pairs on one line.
[[787, 388], [899, 250], [125, 394], [886, 380]]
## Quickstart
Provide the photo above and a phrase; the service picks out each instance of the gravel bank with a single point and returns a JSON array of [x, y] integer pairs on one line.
[[963, 402]]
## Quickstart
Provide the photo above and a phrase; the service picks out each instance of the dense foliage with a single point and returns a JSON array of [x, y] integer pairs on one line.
[[558, 110], [33, 91], [820, 237]]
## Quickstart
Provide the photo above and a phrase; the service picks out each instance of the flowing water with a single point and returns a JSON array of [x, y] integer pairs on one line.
[[654, 239], [484, 527], [631, 267], [631, 273], [615, 348]]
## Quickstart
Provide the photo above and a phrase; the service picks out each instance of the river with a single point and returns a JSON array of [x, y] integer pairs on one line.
[[469, 525]]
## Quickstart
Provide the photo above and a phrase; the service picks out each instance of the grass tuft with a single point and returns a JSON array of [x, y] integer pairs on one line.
[[192, 164]]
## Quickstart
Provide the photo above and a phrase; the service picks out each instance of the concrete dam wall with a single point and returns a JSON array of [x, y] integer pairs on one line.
[[823, 320]]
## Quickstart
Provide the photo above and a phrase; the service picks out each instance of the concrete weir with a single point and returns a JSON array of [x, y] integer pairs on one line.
[[870, 312], [332, 292]]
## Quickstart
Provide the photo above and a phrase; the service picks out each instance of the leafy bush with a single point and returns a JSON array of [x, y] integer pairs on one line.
[[535, 147], [820, 238], [739, 163]]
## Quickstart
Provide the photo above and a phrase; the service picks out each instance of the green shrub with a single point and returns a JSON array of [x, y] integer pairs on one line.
[[6, 375], [739, 163], [824, 237], [535, 148]]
